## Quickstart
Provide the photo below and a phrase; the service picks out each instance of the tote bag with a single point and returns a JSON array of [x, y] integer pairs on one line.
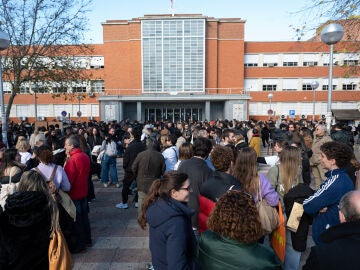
[[269, 216], [60, 257], [278, 237]]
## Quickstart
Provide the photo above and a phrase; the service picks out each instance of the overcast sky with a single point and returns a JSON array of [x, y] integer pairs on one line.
[[266, 20]]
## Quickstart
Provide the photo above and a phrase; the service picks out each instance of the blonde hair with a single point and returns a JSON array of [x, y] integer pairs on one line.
[[34, 181], [290, 166], [23, 145]]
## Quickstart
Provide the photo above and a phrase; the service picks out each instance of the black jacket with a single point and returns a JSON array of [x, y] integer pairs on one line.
[[131, 152], [218, 184], [198, 172], [299, 194], [25, 232], [340, 249]]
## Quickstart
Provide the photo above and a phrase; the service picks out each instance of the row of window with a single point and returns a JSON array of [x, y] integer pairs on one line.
[[49, 87], [308, 87], [305, 64]]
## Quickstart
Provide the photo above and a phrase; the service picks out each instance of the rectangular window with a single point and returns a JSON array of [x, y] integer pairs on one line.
[[350, 86], [290, 64], [290, 84], [173, 55], [97, 86], [22, 110], [59, 89], [270, 64], [250, 65], [351, 62], [251, 60], [306, 87], [269, 87], [310, 64], [78, 89], [326, 87]]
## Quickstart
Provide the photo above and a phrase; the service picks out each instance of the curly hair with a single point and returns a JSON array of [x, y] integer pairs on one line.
[[235, 216], [341, 152], [221, 157]]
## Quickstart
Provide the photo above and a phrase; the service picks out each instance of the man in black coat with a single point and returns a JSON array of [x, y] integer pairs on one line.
[[341, 243], [198, 172], [134, 148]]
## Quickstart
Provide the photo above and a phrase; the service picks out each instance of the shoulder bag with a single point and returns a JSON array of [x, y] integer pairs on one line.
[[269, 216], [6, 190], [60, 257], [278, 237]]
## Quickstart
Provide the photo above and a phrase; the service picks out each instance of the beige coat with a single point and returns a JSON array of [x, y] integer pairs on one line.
[[317, 143]]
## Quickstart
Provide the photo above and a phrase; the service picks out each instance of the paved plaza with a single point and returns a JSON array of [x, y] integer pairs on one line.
[[118, 241]]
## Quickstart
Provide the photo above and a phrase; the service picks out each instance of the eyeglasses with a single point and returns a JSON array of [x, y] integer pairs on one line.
[[187, 188]]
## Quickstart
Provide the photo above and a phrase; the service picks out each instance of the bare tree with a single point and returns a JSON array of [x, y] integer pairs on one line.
[[45, 38], [318, 12]]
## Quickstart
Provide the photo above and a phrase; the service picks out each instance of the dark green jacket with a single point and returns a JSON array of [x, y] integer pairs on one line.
[[217, 252]]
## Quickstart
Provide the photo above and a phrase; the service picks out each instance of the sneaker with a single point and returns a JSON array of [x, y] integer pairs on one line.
[[136, 205], [117, 185], [122, 206], [106, 185]]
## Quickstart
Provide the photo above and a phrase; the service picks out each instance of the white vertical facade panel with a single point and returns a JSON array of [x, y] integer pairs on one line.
[[251, 58], [251, 84]]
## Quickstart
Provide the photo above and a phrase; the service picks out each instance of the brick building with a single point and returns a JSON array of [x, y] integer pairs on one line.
[[191, 66]]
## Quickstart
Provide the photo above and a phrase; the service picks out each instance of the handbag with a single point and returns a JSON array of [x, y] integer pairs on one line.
[[6, 190], [60, 257], [67, 203], [278, 237], [96, 150], [269, 216]]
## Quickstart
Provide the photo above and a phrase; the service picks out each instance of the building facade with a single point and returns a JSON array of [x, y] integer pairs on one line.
[[194, 67]]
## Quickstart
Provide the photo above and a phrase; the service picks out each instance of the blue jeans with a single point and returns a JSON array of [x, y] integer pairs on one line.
[[292, 257], [108, 165], [82, 224]]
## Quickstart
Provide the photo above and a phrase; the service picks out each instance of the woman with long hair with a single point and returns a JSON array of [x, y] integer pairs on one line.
[[29, 220], [172, 240], [246, 171], [283, 177], [11, 166], [232, 239]]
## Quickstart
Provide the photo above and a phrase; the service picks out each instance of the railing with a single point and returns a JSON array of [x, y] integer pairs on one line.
[[208, 91]]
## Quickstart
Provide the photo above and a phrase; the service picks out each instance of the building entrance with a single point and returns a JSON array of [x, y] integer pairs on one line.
[[174, 114]]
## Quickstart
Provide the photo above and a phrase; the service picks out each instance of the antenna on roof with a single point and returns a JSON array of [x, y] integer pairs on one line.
[[172, 7]]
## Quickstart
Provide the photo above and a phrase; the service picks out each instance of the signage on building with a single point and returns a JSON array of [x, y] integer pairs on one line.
[[292, 113]]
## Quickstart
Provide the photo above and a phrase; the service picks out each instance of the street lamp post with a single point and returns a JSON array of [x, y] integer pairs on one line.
[[79, 112], [4, 44], [35, 100], [270, 97], [314, 86], [331, 35]]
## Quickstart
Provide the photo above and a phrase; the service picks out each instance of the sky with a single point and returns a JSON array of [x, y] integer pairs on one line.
[[266, 20]]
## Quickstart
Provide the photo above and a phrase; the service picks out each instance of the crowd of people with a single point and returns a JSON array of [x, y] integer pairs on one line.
[[196, 186]]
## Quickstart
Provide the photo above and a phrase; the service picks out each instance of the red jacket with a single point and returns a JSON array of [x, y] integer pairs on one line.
[[206, 206], [77, 169]]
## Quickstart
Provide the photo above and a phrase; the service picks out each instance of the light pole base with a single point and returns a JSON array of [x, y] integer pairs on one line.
[[329, 121]]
